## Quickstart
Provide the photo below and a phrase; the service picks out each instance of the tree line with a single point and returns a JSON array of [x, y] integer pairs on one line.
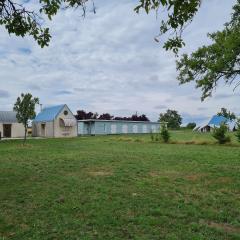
[[83, 115]]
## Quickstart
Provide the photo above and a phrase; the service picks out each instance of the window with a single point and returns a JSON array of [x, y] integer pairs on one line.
[[65, 112]]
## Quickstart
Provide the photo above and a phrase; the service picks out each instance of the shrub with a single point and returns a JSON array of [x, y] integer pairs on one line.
[[238, 131], [164, 133], [220, 134]]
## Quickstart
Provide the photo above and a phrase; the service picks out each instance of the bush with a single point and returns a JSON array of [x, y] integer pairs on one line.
[[191, 125], [220, 134], [238, 131], [164, 133]]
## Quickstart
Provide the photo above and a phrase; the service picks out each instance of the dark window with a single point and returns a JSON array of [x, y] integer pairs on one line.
[[65, 112]]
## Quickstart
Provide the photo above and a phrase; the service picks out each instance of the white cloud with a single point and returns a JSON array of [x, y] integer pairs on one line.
[[109, 62]]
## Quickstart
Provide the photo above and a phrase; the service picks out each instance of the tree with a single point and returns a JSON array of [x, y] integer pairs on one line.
[[164, 133], [105, 116], [191, 125], [238, 130], [179, 14], [220, 134], [21, 21], [227, 114], [81, 115], [218, 61], [25, 109], [142, 117], [172, 118]]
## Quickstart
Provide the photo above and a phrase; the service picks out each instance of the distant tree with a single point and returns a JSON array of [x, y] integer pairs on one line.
[[81, 115], [142, 117], [25, 109], [238, 130], [227, 114], [105, 116], [164, 133], [220, 134], [191, 125], [173, 119]]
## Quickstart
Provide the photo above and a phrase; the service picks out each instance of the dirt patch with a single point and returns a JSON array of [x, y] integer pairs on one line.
[[100, 173], [224, 180], [224, 227], [168, 174], [195, 177]]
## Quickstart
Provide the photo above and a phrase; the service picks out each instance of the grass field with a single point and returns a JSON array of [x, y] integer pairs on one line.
[[114, 187]]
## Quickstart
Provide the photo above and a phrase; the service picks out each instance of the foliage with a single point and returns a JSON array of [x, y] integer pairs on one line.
[[227, 114], [220, 134], [191, 125], [134, 117], [165, 136], [220, 60], [19, 20], [238, 130], [172, 118], [105, 116], [81, 115], [179, 14], [25, 109]]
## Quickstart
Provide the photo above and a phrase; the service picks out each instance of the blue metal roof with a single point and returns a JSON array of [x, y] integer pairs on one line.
[[217, 120], [49, 114]]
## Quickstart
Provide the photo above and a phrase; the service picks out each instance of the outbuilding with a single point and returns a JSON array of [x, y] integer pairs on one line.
[[104, 127], [9, 125], [57, 121], [215, 122]]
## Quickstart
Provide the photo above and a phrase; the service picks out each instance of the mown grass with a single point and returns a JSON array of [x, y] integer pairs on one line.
[[106, 188]]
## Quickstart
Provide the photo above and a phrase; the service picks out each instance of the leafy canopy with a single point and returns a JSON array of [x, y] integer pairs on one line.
[[172, 118], [21, 21], [25, 109], [220, 60], [227, 114], [179, 13]]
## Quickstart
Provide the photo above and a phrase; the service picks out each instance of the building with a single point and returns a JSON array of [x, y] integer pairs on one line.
[[216, 121], [95, 127], [56, 121], [9, 126]]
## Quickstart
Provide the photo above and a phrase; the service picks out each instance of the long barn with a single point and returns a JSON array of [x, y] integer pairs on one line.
[[95, 127]]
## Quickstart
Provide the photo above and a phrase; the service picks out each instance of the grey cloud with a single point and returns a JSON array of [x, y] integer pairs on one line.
[[4, 94], [162, 107], [63, 92], [114, 65]]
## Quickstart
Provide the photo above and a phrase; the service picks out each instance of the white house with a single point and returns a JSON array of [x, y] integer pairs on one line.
[[56, 121], [9, 126]]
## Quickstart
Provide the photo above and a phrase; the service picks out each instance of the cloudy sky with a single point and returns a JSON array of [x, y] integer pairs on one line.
[[109, 62]]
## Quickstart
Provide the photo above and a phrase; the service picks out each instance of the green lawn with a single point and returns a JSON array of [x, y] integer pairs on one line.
[[114, 187]]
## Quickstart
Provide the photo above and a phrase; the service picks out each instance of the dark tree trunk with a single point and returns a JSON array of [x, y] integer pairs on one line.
[[25, 133]]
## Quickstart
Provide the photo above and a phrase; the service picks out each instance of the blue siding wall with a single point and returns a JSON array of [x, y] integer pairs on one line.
[[116, 127]]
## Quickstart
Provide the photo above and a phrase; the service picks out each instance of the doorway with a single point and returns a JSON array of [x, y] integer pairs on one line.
[[7, 130], [43, 129]]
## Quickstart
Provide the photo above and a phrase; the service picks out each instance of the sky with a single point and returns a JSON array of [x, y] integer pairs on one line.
[[109, 62]]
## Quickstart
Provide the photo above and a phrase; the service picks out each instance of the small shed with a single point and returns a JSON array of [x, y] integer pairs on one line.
[[9, 125], [56, 121], [104, 127], [216, 121]]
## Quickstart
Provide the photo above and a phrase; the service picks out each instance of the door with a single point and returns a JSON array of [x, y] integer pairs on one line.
[[7, 130], [135, 129], [113, 129], [43, 130]]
